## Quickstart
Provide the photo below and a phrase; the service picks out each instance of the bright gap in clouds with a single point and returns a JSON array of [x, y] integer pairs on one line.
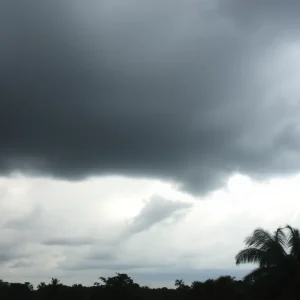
[[80, 230]]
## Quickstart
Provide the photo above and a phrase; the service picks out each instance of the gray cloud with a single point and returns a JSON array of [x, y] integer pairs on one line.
[[27, 221], [103, 255], [104, 265], [188, 275], [20, 264], [110, 256], [4, 257], [10, 251], [67, 241], [156, 210], [151, 88]]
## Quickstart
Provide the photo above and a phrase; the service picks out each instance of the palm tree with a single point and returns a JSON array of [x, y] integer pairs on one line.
[[179, 283], [277, 255]]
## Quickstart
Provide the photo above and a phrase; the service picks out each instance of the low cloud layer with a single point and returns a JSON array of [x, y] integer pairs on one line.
[[73, 235], [188, 91]]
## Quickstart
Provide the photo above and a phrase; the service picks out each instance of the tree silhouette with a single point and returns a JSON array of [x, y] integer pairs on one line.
[[120, 280], [54, 282], [277, 256], [29, 285], [179, 283], [122, 286], [3, 283], [41, 285]]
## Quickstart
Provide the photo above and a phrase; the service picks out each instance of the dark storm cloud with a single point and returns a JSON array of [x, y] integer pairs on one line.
[[167, 89]]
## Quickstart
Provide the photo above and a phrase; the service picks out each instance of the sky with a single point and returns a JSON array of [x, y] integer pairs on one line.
[[146, 137]]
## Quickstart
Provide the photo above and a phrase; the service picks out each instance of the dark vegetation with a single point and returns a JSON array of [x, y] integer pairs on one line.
[[277, 276]]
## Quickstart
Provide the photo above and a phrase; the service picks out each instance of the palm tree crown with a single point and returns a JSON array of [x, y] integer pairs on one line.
[[277, 252]]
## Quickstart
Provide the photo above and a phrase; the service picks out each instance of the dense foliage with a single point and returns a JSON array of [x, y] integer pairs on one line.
[[122, 286], [276, 277]]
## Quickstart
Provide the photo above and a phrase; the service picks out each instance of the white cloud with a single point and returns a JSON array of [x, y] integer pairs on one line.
[[57, 226]]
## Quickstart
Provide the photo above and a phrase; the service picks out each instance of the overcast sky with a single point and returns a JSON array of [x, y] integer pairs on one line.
[[145, 136]]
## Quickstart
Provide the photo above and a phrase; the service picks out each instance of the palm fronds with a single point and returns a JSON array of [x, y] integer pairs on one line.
[[265, 241], [293, 241], [271, 251], [250, 255]]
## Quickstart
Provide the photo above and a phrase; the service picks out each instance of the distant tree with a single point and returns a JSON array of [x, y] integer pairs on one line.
[[145, 287], [54, 282], [29, 285], [196, 284], [3, 283], [179, 283], [41, 285], [120, 280], [118, 286]]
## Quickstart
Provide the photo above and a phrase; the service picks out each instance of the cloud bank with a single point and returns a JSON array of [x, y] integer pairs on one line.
[[187, 91]]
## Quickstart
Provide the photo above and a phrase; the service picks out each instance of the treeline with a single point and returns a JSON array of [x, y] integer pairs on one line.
[[277, 276], [122, 286]]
